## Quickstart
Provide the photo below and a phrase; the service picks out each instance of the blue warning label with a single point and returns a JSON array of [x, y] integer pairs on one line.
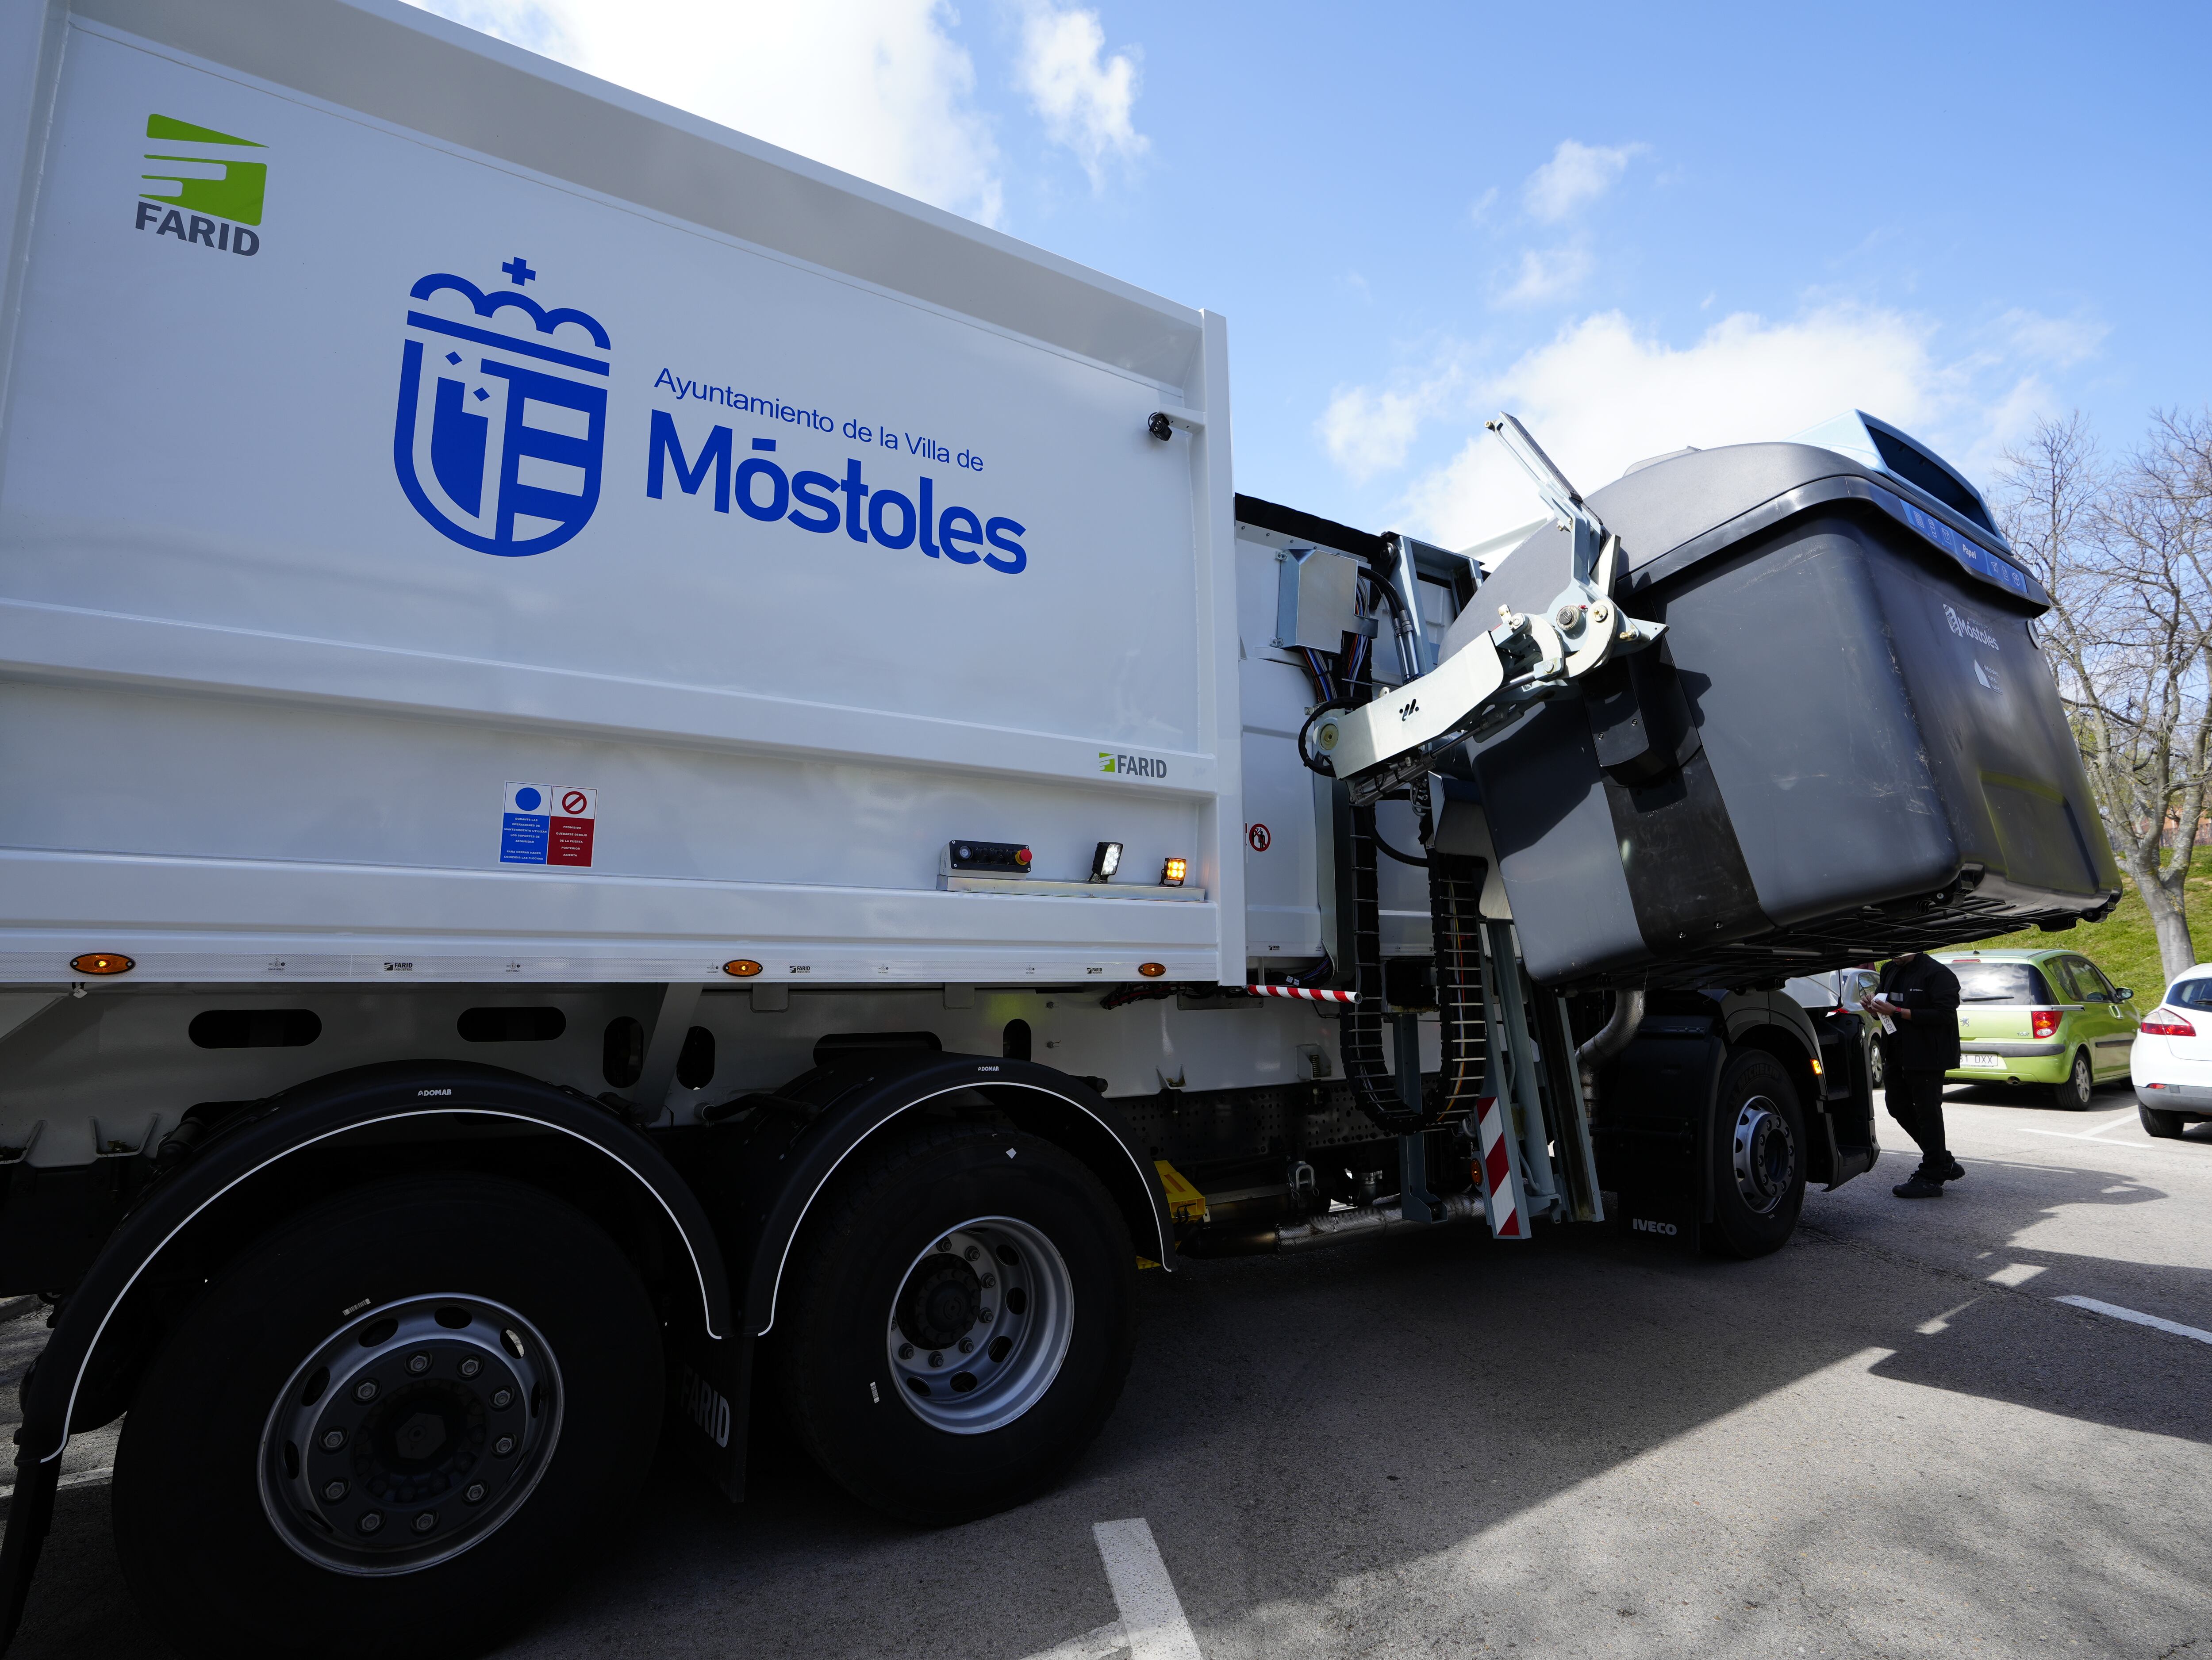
[[526, 824]]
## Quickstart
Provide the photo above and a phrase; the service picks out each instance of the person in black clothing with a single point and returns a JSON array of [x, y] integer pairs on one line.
[[1921, 999]]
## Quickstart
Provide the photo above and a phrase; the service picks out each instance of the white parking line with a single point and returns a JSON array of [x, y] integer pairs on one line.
[[1102, 1644], [2067, 1134], [2129, 1314], [1151, 1614]]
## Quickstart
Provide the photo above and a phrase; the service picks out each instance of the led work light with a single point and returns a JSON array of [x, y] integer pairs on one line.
[[1106, 861]]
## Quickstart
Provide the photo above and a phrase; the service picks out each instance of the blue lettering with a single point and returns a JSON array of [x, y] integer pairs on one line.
[[666, 446], [853, 490], [929, 516], [956, 525], [819, 492], [1017, 556], [883, 501], [780, 491]]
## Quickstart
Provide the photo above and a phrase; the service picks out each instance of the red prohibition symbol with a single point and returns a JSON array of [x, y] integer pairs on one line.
[[1258, 836], [575, 801]]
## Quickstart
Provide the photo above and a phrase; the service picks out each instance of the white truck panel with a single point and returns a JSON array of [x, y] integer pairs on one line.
[[289, 595]]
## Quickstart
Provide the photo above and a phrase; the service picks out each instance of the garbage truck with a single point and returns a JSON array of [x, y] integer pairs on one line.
[[647, 784]]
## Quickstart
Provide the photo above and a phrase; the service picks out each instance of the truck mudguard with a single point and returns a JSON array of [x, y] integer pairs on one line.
[[775, 1159], [274, 1131]]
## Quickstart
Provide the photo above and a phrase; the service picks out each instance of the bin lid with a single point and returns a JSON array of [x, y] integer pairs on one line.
[[1684, 508]]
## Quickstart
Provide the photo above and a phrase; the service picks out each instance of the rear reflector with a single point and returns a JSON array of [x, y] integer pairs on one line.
[[2165, 1023], [102, 962]]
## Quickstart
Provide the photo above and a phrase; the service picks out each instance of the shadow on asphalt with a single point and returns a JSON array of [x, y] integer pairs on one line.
[[1301, 1384]]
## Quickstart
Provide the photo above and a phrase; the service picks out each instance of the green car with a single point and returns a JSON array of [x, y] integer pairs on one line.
[[2040, 1017]]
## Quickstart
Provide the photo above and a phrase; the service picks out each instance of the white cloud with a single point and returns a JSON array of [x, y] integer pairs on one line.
[[1084, 97], [2060, 341], [1576, 176], [1600, 395], [876, 88], [1547, 274], [1368, 432]]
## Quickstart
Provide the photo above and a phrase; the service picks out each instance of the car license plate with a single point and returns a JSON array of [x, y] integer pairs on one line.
[[1994, 1062]]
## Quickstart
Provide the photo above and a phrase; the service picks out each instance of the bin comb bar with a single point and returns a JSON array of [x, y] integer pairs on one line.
[[1303, 994], [1493, 679]]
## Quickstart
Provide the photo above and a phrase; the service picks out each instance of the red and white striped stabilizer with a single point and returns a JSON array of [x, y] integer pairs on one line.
[[1302, 994], [1501, 1175]]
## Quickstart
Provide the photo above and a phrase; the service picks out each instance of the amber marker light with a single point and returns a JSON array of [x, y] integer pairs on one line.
[[1173, 872], [1152, 971], [102, 962], [742, 968]]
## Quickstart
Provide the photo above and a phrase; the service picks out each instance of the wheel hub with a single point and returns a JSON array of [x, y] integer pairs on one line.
[[980, 1325], [1765, 1155], [409, 1433]]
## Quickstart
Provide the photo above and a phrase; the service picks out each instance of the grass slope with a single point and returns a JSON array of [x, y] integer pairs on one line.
[[2123, 945]]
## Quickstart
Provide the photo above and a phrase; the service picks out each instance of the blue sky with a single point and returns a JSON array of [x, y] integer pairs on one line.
[[1638, 227]]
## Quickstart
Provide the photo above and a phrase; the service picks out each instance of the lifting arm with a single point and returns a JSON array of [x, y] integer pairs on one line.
[[1496, 677]]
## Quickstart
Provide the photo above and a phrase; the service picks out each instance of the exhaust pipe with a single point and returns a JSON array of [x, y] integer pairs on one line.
[[1627, 1016], [1330, 1227]]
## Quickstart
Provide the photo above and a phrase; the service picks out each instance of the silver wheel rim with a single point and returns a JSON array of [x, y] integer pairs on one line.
[[980, 1325], [1765, 1155], [410, 1434]]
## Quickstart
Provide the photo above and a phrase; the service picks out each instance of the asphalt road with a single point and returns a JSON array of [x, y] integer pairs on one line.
[[1890, 1438]]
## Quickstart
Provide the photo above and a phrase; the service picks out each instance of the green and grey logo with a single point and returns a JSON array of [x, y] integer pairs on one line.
[[205, 196], [1139, 766]]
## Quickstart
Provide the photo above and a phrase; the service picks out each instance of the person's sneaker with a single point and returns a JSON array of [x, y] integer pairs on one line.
[[1919, 1187], [1958, 1173]]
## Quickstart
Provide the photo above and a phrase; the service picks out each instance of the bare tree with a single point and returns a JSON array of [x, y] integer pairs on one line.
[[2127, 554]]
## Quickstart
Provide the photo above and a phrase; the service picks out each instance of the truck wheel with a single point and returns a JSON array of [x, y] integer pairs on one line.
[[2073, 1094], [389, 1427], [957, 1324], [2166, 1126], [1759, 1151]]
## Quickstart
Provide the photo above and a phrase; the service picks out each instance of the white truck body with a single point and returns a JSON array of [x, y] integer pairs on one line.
[[281, 633]]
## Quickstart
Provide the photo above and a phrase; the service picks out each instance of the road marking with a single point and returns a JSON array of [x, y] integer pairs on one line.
[[2069, 1134], [1103, 1644], [2119, 1313], [1151, 1614]]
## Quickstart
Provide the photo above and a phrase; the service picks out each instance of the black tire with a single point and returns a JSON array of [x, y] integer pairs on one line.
[[198, 1535], [2166, 1126], [841, 1388], [1756, 1200], [1876, 1070], [2074, 1095]]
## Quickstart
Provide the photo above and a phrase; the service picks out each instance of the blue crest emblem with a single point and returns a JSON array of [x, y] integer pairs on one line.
[[502, 415]]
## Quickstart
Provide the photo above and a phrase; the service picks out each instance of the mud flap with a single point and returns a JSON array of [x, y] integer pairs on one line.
[[710, 1398], [1653, 1128]]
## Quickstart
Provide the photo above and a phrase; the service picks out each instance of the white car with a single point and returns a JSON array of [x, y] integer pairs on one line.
[[2172, 1060], [1835, 993]]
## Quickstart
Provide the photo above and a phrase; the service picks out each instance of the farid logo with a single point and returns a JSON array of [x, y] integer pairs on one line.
[[1135, 766], [502, 413], [201, 193]]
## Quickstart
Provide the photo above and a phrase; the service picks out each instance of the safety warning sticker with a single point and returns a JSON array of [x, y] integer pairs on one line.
[[547, 824]]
